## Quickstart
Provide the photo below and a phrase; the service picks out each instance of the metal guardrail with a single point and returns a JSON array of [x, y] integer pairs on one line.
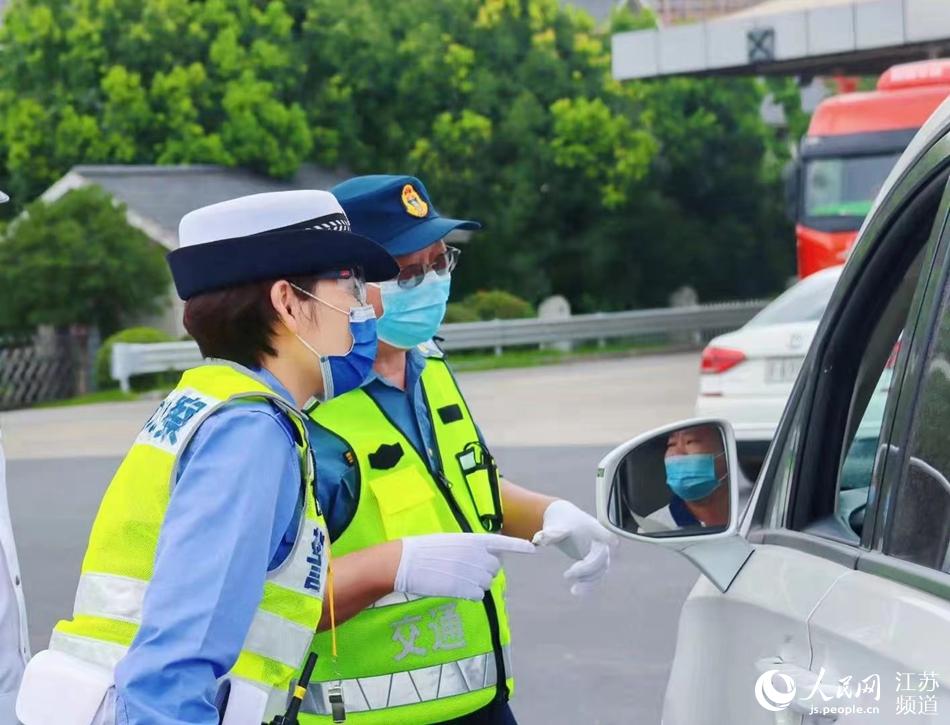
[[499, 334], [689, 323]]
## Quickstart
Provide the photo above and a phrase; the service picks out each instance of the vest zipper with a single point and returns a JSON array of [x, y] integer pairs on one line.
[[491, 607], [445, 486]]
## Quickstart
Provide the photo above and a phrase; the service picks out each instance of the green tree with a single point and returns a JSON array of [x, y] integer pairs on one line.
[[505, 108], [712, 207], [611, 194], [498, 305], [77, 261], [146, 81]]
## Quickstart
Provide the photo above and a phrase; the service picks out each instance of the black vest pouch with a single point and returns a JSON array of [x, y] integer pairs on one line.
[[386, 456], [481, 478]]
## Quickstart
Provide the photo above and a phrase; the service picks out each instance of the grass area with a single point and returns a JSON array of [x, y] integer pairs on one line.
[[530, 357]]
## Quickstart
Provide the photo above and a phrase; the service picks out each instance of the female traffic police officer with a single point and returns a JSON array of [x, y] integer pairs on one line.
[[208, 557], [402, 457]]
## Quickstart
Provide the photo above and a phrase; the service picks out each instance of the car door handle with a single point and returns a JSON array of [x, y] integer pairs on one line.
[[807, 692]]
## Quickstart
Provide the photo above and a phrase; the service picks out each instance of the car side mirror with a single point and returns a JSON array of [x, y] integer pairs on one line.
[[678, 486]]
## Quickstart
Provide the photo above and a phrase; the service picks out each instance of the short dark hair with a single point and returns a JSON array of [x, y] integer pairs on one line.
[[237, 323]]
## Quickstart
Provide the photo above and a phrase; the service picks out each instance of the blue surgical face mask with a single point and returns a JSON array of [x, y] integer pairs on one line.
[[692, 477], [343, 373], [412, 316]]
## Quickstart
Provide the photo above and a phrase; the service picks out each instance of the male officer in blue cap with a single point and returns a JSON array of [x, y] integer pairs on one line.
[[402, 457]]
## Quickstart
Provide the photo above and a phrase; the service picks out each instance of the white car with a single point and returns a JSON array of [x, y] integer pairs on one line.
[[747, 375], [826, 598]]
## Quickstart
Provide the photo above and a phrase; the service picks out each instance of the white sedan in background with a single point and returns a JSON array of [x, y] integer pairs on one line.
[[747, 375]]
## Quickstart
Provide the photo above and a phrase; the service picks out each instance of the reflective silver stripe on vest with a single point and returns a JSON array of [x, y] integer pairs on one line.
[[425, 684], [106, 654], [121, 598], [278, 639], [110, 596], [395, 598]]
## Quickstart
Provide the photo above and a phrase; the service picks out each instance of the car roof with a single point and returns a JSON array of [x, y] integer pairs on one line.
[[826, 272]]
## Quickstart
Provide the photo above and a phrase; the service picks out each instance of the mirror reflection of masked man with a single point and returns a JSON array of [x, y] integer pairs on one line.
[[402, 459], [696, 468]]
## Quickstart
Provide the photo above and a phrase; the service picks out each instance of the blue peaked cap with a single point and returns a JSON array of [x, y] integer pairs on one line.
[[395, 212]]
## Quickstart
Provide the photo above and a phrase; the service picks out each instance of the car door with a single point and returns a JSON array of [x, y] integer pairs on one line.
[[807, 516], [880, 621], [723, 637], [880, 635]]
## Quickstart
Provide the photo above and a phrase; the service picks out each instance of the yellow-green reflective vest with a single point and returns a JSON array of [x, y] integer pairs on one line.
[[412, 659], [119, 560]]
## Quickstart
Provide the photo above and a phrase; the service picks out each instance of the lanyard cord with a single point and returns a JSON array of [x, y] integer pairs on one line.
[[332, 608]]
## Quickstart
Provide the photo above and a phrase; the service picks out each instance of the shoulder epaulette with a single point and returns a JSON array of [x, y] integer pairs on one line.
[[431, 348]]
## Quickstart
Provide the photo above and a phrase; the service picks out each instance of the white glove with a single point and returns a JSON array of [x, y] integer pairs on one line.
[[453, 565], [581, 537]]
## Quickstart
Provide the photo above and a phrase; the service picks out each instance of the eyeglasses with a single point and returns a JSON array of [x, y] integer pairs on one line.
[[412, 274], [350, 281]]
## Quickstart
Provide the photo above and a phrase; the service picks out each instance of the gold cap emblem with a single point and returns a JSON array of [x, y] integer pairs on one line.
[[413, 202]]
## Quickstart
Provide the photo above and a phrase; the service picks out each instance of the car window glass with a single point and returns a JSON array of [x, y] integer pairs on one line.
[[919, 528], [845, 186], [871, 387], [855, 473], [844, 377], [854, 479], [784, 471], [857, 467]]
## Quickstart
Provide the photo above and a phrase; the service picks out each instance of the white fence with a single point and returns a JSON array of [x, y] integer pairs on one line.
[[684, 323]]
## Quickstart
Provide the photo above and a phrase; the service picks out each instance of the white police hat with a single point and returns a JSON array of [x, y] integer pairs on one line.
[[268, 236]]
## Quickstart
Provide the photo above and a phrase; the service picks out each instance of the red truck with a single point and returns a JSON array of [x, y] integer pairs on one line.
[[853, 142]]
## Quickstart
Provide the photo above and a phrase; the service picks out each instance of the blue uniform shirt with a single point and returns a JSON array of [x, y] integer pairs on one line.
[[233, 516], [336, 479]]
